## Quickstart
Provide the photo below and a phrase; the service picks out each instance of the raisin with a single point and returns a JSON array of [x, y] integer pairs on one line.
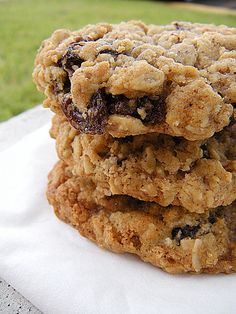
[[70, 59], [154, 108], [212, 218], [59, 63], [111, 52], [72, 113], [102, 105], [178, 26], [179, 233], [120, 105], [119, 162], [175, 231], [94, 120], [57, 89], [190, 231], [127, 139], [66, 85], [136, 242], [205, 151], [80, 42]]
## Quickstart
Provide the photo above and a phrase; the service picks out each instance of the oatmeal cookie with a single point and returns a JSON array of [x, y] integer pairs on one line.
[[196, 175], [131, 78], [170, 238]]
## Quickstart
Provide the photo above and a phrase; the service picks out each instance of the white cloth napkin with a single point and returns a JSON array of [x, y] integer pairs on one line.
[[59, 271]]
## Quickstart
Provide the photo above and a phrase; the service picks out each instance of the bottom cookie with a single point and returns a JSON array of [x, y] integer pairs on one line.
[[170, 238]]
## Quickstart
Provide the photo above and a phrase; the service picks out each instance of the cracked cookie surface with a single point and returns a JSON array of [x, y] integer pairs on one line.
[[131, 78], [196, 175], [170, 238]]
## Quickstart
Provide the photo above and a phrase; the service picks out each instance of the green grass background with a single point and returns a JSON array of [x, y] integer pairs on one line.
[[25, 23]]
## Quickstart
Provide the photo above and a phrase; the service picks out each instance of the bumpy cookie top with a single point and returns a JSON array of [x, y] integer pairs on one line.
[[132, 78]]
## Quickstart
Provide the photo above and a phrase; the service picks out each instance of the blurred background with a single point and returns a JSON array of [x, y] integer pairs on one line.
[[25, 23]]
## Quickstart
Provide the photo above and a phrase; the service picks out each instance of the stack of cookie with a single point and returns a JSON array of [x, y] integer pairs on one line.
[[146, 137]]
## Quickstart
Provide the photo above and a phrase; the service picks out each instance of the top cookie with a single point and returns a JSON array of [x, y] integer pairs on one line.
[[130, 78]]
